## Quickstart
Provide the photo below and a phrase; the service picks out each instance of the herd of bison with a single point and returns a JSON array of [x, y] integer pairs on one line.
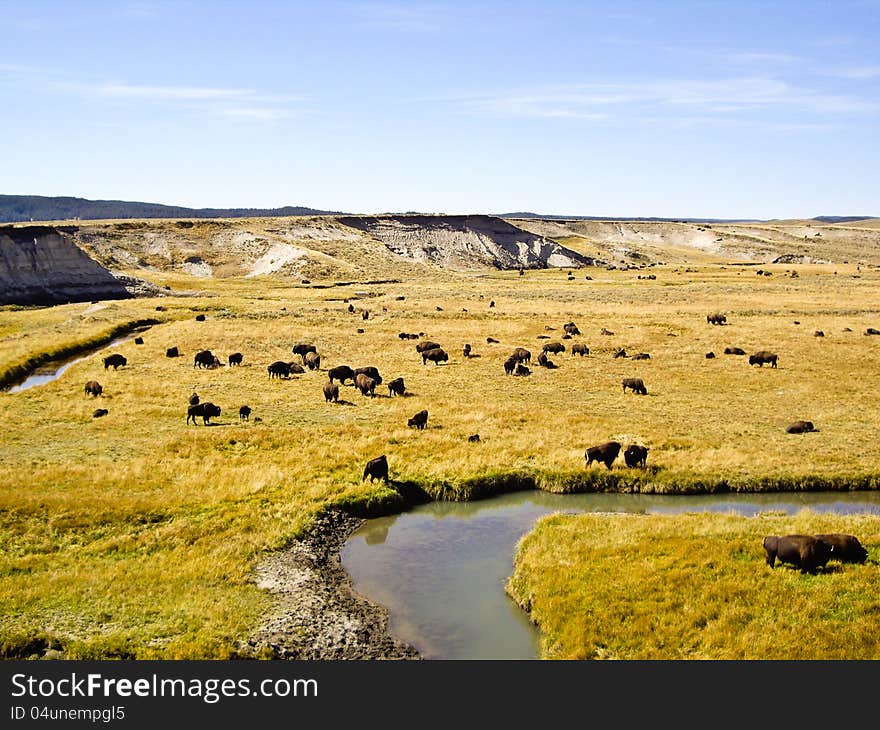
[[805, 552]]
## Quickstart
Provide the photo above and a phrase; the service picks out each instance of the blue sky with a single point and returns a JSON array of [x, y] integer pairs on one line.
[[715, 108]]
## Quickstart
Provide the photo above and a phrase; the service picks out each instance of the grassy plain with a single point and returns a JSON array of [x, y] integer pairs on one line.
[[136, 534]]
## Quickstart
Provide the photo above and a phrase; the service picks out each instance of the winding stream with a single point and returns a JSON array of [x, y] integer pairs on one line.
[[440, 568]]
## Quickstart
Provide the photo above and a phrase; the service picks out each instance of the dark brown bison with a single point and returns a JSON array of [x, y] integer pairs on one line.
[[641, 356], [800, 427], [603, 453], [365, 384], [509, 365], [420, 420], [845, 548], [376, 469], [571, 328], [313, 360], [203, 359], [490, 340], [620, 353], [139, 340], [408, 336], [521, 354], [804, 552], [734, 351], [473, 438], [340, 373], [545, 362], [466, 350], [554, 347], [116, 360], [205, 411], [200, 318], [764, 356], [710, 355], [100, 412], [279, 369], [172, 352], [93, 387], [194, 399], [716, 319], [579, 348], [244, 413], [370, 372], [426, 345], [396, 387], [872, 331], [521, 370], [301, 348], [636, 385], [235, 359], [818, 333], [365, 314], [331, 392], [636, 456], [436, 356]]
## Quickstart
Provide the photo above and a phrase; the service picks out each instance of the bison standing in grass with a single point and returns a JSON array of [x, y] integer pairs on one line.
[[203, 359], [93, 387], [340, 373], [603, 453], [554, 347], [435, 355], [579, 348], [235, 359], [419, 420], [636, 385], [804, 552], [845, 548], [376, 469], [331, 392], [636, 456], [205, 411], [396, 387], [279, 369], [764, 356], [365, 384], [116, 360]]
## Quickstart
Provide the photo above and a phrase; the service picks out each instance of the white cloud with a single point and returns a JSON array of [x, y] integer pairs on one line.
[[856, 72]]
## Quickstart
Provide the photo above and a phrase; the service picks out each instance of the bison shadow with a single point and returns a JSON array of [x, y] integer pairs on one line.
[[411, 491], [343, 402]]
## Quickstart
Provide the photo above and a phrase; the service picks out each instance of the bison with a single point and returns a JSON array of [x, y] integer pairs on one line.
[[734, 351], [473, 438], [116, 360], [509, 365], [420, 420], [545, 362], [396, 387], [800, 427], [203, 359], [764, 356], [521, 370], [554, 347], [603, 453], [491, 340], [716, 319], [521, 354], [466, 350], [279, 369], [200, 318], [302, 348], [313, 360], [340, 373], [100, 412], [636, 385], [244, 413], [93, 387], [426, 345], [845, 548], [139, 340], [206, 411], [636, 455], [369, 371], [579, 348], [172, 352], [235, 359], [331, 392], [620, 353], [296, 368], [365, 384], [710, 355], [571, 328], [872, 331], [435, 355], [802, 551], [376, 469], [641, 356], [194, 399]]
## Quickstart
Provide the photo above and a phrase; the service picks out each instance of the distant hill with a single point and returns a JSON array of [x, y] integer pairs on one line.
[[541, 216], [842, 218], [17, 208]]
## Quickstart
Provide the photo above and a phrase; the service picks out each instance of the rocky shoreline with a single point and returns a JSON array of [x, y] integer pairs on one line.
[[317, 613]]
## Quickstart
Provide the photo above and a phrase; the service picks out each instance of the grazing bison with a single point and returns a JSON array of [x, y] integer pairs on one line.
[[427, 345], [376, 469], [473, 438], [279, 369], [100, 412], [370, 372], [800, 427], [734, 351], [872, 331], [641, 356], [764, 356], [636, 385], [603, 453], [710, 355], [302, 348], [313, 360], [420, 420], [545, 362], [244, 413], [716, 319], [802, 551], [172, 352], [571, 328], [436, 356], [206, 411], [194, 399], [235, 359], [396, 387], [521, 370], [331, 392], [490, 340], [93, 387], [509, 365], [845, 548], [114, 361], [340, 373], [521, 354], [579, 348], [296, 368], [139, 340], [408, 336], [365, 384], [636, 455], [554, 347], [203, 359]]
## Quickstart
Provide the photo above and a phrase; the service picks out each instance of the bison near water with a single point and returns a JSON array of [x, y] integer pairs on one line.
[[845, 548], [420, 420], [800, 427], [93, 387], [636, 456], [805, 552], [435, 355], [116, 360], [636, 385], [340, 373], [396, 387], [603, 453], [376, 469], [331, 392], [205, 411], [764, 356]]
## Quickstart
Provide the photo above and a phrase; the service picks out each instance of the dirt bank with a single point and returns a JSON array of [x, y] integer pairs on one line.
[[317, 614]]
